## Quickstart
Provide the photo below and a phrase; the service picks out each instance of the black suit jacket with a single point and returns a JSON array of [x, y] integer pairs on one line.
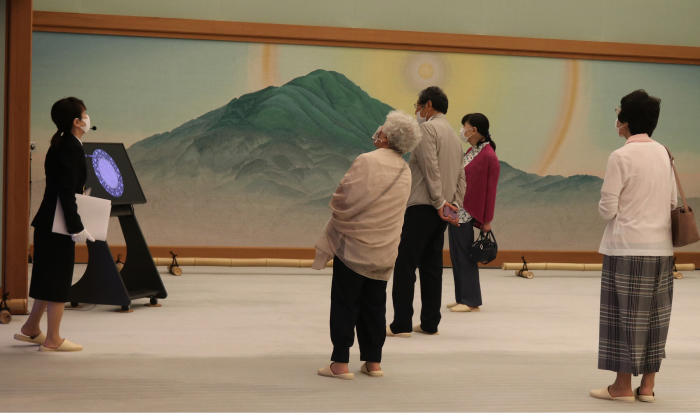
[[66, 173]]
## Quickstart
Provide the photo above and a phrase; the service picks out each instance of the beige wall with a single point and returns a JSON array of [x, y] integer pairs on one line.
[[667, 22]]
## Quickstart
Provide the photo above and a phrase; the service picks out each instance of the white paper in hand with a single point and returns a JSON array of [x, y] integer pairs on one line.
[[94, 213]]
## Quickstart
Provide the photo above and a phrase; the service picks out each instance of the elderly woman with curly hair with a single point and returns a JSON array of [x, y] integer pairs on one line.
[[362, 237]]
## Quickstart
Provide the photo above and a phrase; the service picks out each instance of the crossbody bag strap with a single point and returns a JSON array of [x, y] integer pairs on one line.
[[396, 180], [678, 180]]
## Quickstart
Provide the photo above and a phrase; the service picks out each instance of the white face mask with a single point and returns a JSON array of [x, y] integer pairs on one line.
[[375, 137], [618, 127], [464, 138], [419, 118], [86, 128]]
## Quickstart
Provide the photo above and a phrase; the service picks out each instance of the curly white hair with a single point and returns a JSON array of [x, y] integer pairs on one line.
[[402, 131]]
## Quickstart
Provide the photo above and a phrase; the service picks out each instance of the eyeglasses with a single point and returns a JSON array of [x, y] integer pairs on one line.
[[415, 105], [617, 110]]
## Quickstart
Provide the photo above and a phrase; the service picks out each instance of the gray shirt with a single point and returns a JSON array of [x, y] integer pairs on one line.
[[436, 166]]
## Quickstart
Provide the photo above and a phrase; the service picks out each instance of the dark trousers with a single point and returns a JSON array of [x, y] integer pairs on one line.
[[422, 241], [357, 301], [465, 271]]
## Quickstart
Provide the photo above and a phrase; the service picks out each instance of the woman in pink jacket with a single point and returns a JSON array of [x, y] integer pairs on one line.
[[481, 168]]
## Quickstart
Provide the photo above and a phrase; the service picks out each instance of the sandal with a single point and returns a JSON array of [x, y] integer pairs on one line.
[[328, 372], [39, 339], [66, 346]]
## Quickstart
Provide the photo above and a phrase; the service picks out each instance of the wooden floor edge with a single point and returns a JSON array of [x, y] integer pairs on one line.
[[510, 256]]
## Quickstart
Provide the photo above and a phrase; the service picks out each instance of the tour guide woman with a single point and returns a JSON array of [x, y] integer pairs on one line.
[[363, 235], [54, 254], [481, 169]]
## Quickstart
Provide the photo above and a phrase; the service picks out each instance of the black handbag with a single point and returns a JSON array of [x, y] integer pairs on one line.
[[484, 249]]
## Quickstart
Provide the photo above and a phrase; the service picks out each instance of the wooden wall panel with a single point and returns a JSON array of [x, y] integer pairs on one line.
[[17, 132], [367, 38], [509, 256]]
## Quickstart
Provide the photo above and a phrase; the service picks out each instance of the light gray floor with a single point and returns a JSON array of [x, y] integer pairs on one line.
[[252, 340]]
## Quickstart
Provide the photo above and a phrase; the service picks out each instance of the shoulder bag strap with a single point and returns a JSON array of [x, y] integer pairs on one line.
[[398, 177], [678, 180]]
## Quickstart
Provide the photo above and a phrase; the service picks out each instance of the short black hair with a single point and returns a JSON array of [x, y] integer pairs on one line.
[[435, 95], [640, 111]]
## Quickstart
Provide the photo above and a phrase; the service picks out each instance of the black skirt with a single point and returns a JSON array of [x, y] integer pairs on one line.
[[52, 273]]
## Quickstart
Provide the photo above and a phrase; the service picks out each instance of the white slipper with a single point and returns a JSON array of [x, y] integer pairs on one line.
[[399, 335], [418, 329], [66, 346], [39, 339], [463, 308], [451, 305], [644, 398], [604, 394], [327, 372]]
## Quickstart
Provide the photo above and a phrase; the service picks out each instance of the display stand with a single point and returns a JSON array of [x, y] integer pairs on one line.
[[103, 284]]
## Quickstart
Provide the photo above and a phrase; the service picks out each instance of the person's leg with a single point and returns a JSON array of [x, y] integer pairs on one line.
[[465, 270], [647, 385], [471, 294], [371, 322], [55, 314], [456, 252], [31, 327], [622, 387], [345, 291], [413, 241], [626, 303], [659, 322], [430, 271]]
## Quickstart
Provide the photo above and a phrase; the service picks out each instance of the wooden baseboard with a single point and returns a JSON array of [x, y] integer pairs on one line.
[[509, 256]]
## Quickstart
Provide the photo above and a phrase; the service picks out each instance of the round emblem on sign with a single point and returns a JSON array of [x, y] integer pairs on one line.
[[108, 173]]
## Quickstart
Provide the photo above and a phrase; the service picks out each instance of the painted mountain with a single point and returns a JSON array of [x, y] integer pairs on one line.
[[260, 170], [266, 163]]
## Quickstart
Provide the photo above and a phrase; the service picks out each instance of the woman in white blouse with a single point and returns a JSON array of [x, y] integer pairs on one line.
[[638, 195], [362, 237]]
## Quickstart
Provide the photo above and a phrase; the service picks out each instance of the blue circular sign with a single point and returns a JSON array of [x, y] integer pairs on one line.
[[108, 173]]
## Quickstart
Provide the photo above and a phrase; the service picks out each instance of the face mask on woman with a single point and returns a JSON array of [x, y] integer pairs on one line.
[[86, 128], [464, 137], [618, 127]]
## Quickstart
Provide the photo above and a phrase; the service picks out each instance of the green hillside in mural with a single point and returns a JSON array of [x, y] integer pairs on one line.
[[295, 141], [268, 162]]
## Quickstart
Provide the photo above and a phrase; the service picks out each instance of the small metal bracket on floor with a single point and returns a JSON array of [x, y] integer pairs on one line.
[[524, 272], [5, 315], [174, 268], [676, 273]]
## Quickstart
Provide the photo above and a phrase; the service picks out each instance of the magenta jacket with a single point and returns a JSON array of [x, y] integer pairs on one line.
[[482, 182]]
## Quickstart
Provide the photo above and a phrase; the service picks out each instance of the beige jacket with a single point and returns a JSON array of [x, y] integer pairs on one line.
[[368, 209], [436, 166]]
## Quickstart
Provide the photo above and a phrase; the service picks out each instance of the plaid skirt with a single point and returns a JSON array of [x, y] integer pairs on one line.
[[635, 311]]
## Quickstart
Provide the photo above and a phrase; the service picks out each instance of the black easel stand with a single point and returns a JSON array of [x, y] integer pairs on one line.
[[103, 284]]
